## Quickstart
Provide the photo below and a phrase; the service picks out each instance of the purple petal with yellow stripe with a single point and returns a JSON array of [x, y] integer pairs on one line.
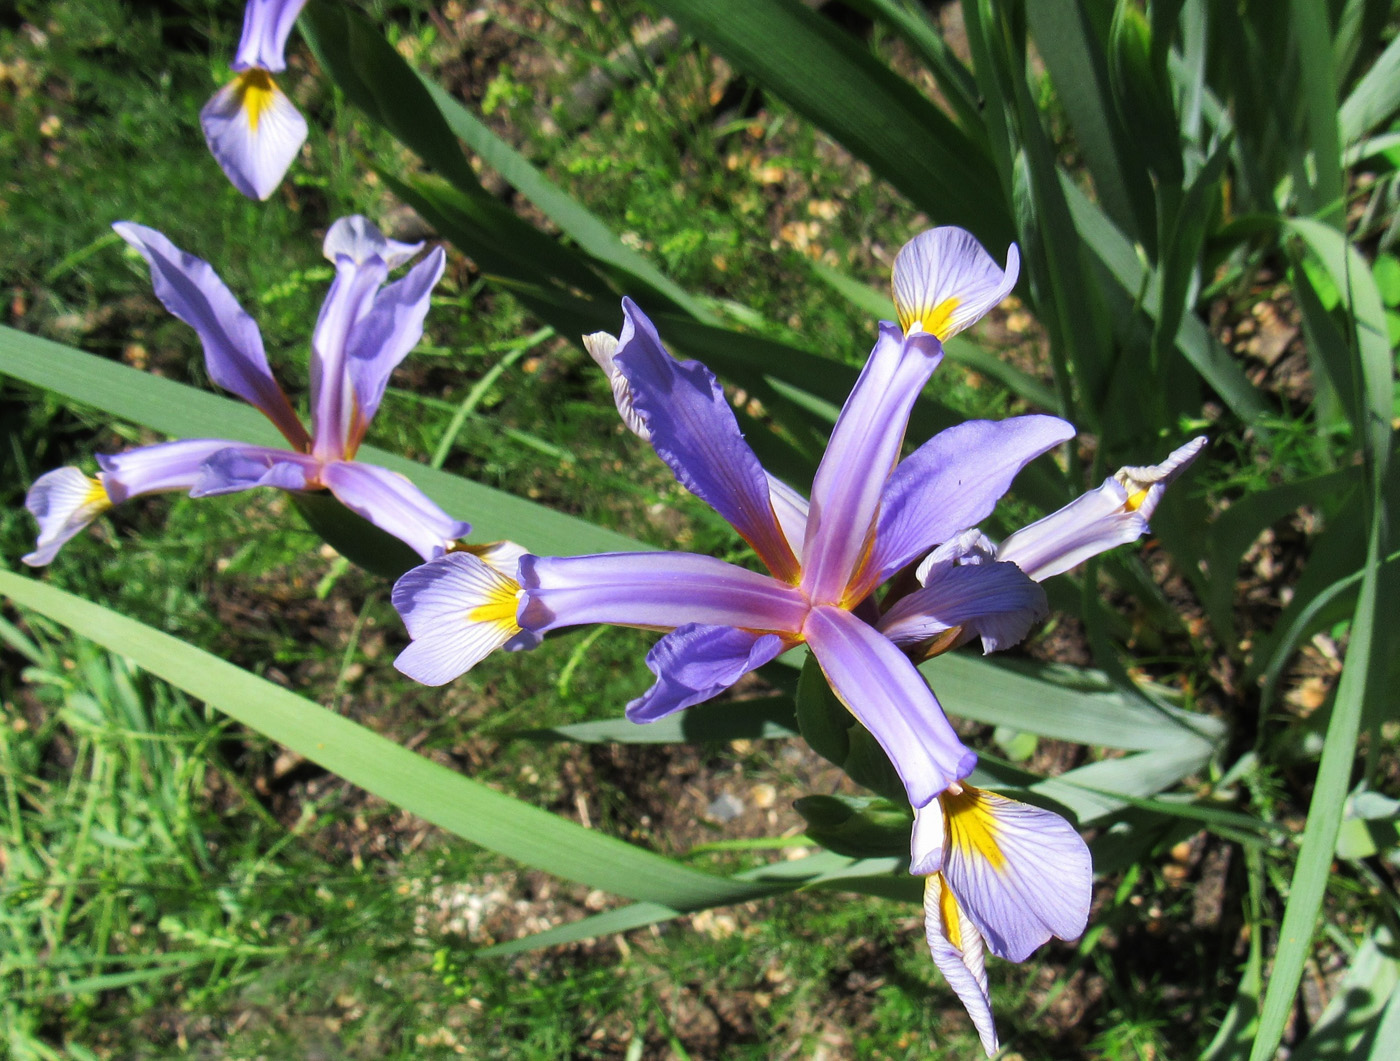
[[694, 663], [660, 591], [1022, 873], [392, 503], [233, 348], [944, 281], [253, 131], [953, 481], [693, 430], [864, 447], [956, 946], [888, 696], [63, 501], [266, 26], [458, 609]]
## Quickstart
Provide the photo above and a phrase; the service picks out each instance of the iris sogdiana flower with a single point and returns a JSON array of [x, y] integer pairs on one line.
[[999, 872], [253, 130], [364, 330]]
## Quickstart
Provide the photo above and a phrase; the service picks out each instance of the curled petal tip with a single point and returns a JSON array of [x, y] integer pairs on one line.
[[63, 501], [956, 946], [359, 239], [253, 131], [944, 281]]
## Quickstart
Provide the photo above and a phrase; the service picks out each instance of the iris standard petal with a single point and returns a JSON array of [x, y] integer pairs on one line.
[[238, 468], [458, 609], [659, 591], [694, 662], [1023, 873], [380, 340], [694, 431], [266, 26], [332, 397], [997, 601], [359, 239], [393, 504], [878, 684], [63, 501], [956, 946], [165, 466], [864, 447], [944, 281], [253, 131], [233, 348], [953, 481]]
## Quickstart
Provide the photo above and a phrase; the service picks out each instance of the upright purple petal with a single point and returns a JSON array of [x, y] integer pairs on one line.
[[694, 431], [944, 281], [359, 239], [997, 601], [458, 610], [63, 501], [253, 131], [659, 591], [383, 338], [239, 468], [393, 504], [266, 26], [165, 466], [864, 447], [233, 349], [1023, 873], [693, 663], [956, 946], [889, 697], [332, 397], [951, 482]]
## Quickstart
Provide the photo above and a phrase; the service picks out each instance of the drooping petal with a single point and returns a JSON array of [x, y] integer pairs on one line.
[[233, 348], [383, 338], [956, 946], [1114, 514], [238, 468], [393, 504], [951, 482], [694, 431], [63, 501], [253, 131], [165, 466], [997, 601], [458, 610], [601, 348], [266, 26], [359, 239], [694, 662], [878, 684], [1022, 873], [944, 281], [332, 397], [658, 591], [864, 447]]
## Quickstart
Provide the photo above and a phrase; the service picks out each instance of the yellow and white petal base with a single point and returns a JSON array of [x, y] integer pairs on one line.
[[64, 501], [944, 281], [253, 131]]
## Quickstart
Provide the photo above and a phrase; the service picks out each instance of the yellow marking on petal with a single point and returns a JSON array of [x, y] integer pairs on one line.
[[949, 913], [256, 94], [936, 320], [973, 826], [1135, 502], [96, 498], [500, 607]]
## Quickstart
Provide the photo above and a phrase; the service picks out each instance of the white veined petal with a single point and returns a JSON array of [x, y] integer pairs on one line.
[[956, 946], [458, 610], [944, 281], [63, 501], [253, 131]]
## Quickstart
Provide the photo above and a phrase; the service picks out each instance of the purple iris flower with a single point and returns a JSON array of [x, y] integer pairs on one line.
[[869, 516], [364, 330], [252, 129]]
